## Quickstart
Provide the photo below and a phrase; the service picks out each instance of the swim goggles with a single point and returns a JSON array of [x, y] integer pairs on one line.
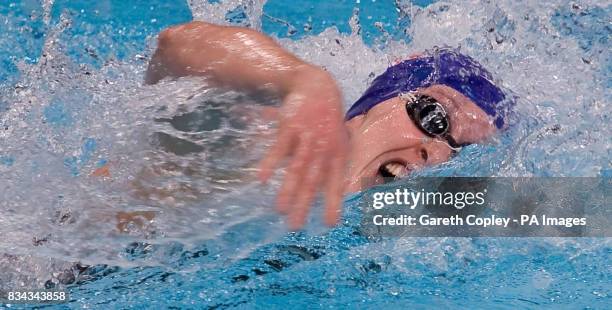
[[430, 117]]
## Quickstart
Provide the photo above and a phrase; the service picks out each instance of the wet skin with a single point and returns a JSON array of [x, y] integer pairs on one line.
[[313, 140], [386, 134]]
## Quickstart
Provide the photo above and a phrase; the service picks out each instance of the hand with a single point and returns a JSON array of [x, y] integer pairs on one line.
[[312, 134]]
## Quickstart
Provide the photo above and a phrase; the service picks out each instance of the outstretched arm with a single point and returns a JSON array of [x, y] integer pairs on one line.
[[311, 132], [232, 56]]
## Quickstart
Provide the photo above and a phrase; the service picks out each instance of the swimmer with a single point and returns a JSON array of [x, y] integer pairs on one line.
[[417, 113]]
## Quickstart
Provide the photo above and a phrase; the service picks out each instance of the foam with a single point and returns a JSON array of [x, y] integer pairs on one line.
[[560, 97]]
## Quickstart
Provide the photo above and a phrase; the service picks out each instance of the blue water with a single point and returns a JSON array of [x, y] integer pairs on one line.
[[119, 28], [336, 269]]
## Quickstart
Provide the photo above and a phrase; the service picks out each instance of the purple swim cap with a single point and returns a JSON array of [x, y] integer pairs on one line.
[[443, 66]]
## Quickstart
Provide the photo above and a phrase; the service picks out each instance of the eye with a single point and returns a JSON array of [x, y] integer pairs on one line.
[[424, 154], [434, 119]]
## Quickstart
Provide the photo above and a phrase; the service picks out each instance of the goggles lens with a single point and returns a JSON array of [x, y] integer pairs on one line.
[[429, 115]]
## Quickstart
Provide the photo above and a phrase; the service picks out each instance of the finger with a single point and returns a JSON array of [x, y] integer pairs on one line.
[[335, 185], [295, 173], [307, 192], [278, 151]]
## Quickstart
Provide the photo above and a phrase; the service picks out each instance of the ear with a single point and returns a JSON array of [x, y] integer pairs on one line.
[[479, 131]]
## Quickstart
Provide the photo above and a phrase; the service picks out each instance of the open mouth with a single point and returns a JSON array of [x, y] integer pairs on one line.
[[393, 169]]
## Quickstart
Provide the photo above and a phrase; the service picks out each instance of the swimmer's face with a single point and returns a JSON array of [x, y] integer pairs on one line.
[[386, 142]]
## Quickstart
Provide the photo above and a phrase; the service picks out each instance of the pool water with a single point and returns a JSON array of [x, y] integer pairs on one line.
[[72, 101]]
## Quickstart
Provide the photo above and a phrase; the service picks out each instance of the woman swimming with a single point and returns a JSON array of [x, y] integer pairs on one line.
[[418, 113]]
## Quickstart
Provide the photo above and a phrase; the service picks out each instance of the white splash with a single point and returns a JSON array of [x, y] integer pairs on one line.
[[45, 210]]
